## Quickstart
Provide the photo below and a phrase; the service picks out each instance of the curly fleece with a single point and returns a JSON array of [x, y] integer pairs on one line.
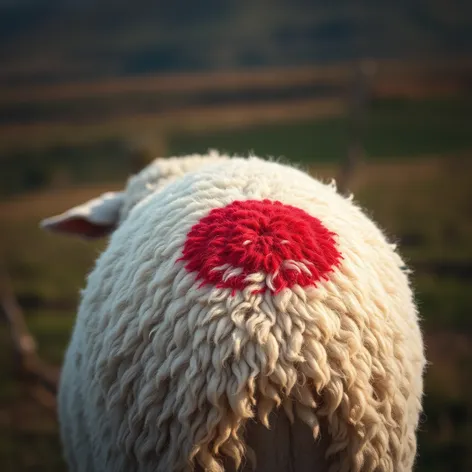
[[173, 353]]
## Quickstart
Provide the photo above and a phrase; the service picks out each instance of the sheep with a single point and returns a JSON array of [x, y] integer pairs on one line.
[[244, 316]]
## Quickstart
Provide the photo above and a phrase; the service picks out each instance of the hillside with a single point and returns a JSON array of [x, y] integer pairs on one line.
[[60, 40]]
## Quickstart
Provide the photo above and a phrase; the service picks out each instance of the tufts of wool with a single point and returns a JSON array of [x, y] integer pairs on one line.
[[237, 289], [159, 173]]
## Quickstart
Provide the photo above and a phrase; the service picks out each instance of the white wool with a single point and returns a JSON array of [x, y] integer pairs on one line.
[[160, 173], [163, 374]]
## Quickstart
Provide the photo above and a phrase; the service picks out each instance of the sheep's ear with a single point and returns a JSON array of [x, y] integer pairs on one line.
[[93, 219]]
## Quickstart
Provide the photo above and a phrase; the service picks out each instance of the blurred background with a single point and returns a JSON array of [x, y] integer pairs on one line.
[[375, 93]]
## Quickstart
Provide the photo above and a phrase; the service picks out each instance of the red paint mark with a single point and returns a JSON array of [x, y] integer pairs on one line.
[[254, 236]]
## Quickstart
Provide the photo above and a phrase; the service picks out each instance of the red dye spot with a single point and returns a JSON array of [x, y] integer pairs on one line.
[[249, 237]]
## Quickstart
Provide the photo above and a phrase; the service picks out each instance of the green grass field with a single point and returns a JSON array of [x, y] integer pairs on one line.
[[393, 129], [422, 202]]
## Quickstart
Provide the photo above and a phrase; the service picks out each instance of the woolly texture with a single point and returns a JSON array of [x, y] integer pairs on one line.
[[163, 372], [160, 173], [248, 240]]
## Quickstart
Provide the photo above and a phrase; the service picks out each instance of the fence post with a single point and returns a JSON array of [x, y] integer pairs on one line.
[[358, 102], [29, 364]]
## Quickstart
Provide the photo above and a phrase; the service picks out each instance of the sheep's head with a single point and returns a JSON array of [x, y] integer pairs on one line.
[[100, 216]]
